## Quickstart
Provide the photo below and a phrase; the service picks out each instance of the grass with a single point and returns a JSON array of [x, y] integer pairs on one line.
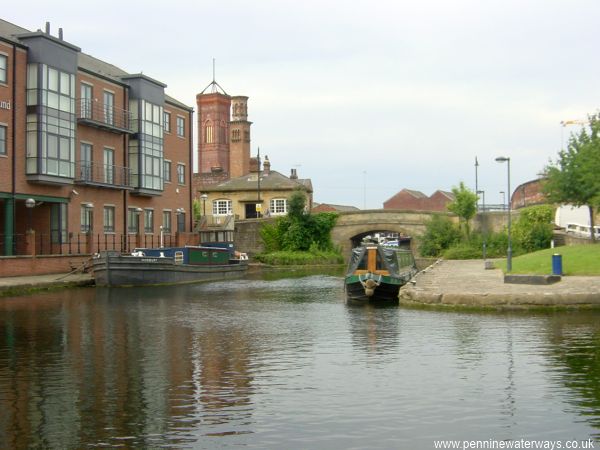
[[576, 260], [286, 258]]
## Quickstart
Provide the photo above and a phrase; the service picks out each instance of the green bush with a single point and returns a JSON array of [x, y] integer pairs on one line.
[[440, 234], [533, 230], [300, 232]]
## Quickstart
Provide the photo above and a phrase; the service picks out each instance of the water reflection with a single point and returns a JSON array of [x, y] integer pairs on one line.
[[374, 328], [285, 363]]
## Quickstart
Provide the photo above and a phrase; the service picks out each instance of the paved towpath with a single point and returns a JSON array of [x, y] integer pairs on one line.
[[468, 283], [16, 284]]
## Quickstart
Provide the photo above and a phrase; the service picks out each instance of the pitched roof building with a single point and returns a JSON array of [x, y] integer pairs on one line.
[[416, 200], [228, 181]]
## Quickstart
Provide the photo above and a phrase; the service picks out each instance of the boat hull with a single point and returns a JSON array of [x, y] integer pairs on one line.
[[387, 291], [119, 270]]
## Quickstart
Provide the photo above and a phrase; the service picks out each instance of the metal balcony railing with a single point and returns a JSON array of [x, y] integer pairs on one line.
[[108, 175], [103, 116]]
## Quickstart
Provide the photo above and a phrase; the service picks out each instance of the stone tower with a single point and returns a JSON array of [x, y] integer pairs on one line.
[[213, 130], [239, 129]]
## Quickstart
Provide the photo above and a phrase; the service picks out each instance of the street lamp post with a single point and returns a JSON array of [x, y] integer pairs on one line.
[[29, 204], [203, 197], [483, 222], [502, 159]]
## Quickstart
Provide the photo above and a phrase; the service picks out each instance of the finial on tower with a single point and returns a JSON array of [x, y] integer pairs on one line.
[[214, 86]]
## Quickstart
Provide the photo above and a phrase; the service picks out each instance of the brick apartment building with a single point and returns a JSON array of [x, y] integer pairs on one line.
[[90, 156]]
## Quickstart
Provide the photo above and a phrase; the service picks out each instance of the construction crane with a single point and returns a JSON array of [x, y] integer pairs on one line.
[[564, 123]]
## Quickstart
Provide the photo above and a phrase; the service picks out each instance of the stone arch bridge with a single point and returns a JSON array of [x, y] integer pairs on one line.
[[351, 226]]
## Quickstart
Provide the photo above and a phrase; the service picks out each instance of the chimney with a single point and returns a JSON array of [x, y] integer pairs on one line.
[[60, 34], [47, 27], [266, 166], [294, 175]]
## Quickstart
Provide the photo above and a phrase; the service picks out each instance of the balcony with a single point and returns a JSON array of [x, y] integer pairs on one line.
[[103, 175], [94, 114]]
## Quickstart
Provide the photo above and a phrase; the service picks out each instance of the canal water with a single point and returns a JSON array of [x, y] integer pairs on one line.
[[285, 363]]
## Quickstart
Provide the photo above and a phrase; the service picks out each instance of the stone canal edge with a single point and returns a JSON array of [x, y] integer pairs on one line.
[[452, 283]]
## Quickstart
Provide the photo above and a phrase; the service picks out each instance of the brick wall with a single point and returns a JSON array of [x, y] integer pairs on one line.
[[41, 265]]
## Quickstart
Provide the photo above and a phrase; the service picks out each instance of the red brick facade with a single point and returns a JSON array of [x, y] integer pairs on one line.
[[102, 187], [417, 201], [528, 194]]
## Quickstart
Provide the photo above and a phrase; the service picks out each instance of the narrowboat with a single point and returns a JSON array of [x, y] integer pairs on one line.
[[376, 272], [171, 265]]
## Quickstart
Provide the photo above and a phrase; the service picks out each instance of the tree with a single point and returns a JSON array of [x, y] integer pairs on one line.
[[573, 178], [464, 205], [533, 229], [299, 230], [440, 234]]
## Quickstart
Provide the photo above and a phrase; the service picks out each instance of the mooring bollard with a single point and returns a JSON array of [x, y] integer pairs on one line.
[[557, 264]]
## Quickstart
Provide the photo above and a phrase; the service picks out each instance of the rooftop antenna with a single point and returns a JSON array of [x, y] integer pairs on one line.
[[213, 85]]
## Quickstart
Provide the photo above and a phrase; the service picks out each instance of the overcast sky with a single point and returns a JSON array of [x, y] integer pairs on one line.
[[365, 98]]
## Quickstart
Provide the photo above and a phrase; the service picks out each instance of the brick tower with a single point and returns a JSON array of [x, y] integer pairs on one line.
[[213, 129], [239, 129]]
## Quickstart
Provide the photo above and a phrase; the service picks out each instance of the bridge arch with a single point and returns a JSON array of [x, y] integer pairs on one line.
[[351, 226]]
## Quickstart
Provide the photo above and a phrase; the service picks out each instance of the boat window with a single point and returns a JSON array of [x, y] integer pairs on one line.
[[178, 257]]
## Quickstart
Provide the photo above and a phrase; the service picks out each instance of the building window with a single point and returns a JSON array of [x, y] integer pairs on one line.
[[86, 218], [146, 153], [167, 120], [181, 222], [278, 206], [235, 135], [50, 131], [85, 163], [166, 221], [58, 223], [109, 108], [109, 219], [86, 101], [109, 166], [3, 68], [222, 208], [167, 171], [148, 220], [208, 133], [2, 140], [181, 173], [180, 126], [133, 220]]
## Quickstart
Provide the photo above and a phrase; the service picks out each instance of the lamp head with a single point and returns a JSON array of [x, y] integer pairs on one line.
[[30, 203], [502, 159]]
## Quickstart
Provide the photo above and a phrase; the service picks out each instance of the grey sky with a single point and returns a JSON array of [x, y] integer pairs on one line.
[[408, 92]]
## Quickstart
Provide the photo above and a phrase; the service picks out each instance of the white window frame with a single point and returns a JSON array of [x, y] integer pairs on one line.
[[181, 173], [148, 221], [3, 68], [166, 121], [167, 173], [278, 206], [109, 228], [3, 140], [167, 226], [180, 123], [222, 207]]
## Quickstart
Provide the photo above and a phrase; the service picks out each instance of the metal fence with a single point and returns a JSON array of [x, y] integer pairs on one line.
[[77, 243]]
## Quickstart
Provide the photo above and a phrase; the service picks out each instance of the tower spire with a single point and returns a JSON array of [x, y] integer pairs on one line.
[[213, 85]]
